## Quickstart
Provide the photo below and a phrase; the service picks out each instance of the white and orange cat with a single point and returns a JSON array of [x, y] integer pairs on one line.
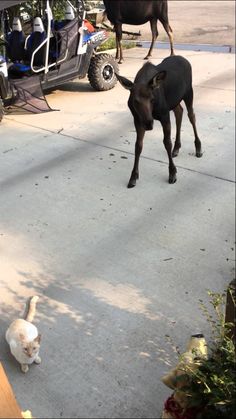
[[24, 339]]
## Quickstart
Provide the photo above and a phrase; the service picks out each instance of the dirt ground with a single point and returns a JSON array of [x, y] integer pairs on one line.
[[201, 22]]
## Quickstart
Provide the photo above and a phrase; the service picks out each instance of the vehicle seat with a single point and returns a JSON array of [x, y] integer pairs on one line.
[[69, 13], [69, 16], [34, 41], [62, 31], [15, 42]]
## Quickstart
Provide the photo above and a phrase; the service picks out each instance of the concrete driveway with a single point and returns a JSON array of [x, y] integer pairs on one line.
[[117, 270]]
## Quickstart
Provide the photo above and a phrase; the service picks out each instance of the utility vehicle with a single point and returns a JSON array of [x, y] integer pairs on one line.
[[52, 53]]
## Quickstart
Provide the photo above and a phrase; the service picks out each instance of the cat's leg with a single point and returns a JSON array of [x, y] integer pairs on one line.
[[24, 368], [37, 360]]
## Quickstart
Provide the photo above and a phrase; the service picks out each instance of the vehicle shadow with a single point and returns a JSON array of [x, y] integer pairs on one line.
[[74, 86]]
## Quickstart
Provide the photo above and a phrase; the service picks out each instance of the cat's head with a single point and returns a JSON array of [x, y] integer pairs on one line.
[[30, 349]]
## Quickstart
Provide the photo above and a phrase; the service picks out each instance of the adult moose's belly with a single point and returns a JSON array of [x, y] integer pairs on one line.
[[132, 20]]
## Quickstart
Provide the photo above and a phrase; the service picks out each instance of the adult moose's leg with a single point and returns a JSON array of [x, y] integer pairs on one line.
[[168, 146], [169, 32], [189, 105], [153, 24], [119, 52], [178, 111], [165, 22], [140, 131]]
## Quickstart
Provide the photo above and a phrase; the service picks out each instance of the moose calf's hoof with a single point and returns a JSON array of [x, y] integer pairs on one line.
[[172, 179], [199, 154], [175, 152], [131, 184], [132, 181]]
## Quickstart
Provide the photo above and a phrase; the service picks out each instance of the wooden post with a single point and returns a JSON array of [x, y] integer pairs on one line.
[[230, 309], [9, 407]]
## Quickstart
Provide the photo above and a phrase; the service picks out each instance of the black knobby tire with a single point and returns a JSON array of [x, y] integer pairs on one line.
[[101, 73], [1, 109]]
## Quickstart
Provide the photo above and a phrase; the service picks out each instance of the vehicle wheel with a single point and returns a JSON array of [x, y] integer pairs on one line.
[[1, 109], [101, 73]]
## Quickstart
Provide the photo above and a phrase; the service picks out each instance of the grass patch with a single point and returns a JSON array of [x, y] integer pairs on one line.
[[111, 44]]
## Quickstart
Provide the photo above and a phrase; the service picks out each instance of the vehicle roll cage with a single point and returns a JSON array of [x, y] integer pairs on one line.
[[80, 10]]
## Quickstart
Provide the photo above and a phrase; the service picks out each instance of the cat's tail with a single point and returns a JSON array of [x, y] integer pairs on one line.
[[32, 308]]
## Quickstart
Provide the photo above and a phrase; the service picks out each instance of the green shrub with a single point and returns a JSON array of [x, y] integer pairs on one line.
[[111, 44], [212, 385]]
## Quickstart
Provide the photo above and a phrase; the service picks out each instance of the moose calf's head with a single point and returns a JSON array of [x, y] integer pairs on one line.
[[142, 97]]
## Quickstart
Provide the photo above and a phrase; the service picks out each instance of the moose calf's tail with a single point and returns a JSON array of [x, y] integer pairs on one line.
[[32, 308]]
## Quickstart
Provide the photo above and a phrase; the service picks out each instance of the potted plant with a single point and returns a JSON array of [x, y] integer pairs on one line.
[[204, 379]]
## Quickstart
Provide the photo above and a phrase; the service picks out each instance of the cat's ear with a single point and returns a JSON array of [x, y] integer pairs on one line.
[[38, 338], [22, 338]]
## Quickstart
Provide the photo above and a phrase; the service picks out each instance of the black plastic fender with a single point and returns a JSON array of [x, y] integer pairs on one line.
[[3, 86], [1, 109]]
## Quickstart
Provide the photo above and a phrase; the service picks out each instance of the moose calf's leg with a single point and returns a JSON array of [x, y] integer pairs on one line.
[[168, 146], [178, 111], [189, 105], [197, 141], [138, 150]]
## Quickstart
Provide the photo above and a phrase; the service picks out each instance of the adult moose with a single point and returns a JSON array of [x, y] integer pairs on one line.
[[138, 12], [156, 91]]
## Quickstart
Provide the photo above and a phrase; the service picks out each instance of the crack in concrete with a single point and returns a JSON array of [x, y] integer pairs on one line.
[[120, 150]]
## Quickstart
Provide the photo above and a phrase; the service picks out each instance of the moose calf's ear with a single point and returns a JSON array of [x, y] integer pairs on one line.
[[127, 84], [157, 79]]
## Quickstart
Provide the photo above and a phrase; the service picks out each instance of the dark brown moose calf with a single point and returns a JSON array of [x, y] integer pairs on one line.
[[155, 92]]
